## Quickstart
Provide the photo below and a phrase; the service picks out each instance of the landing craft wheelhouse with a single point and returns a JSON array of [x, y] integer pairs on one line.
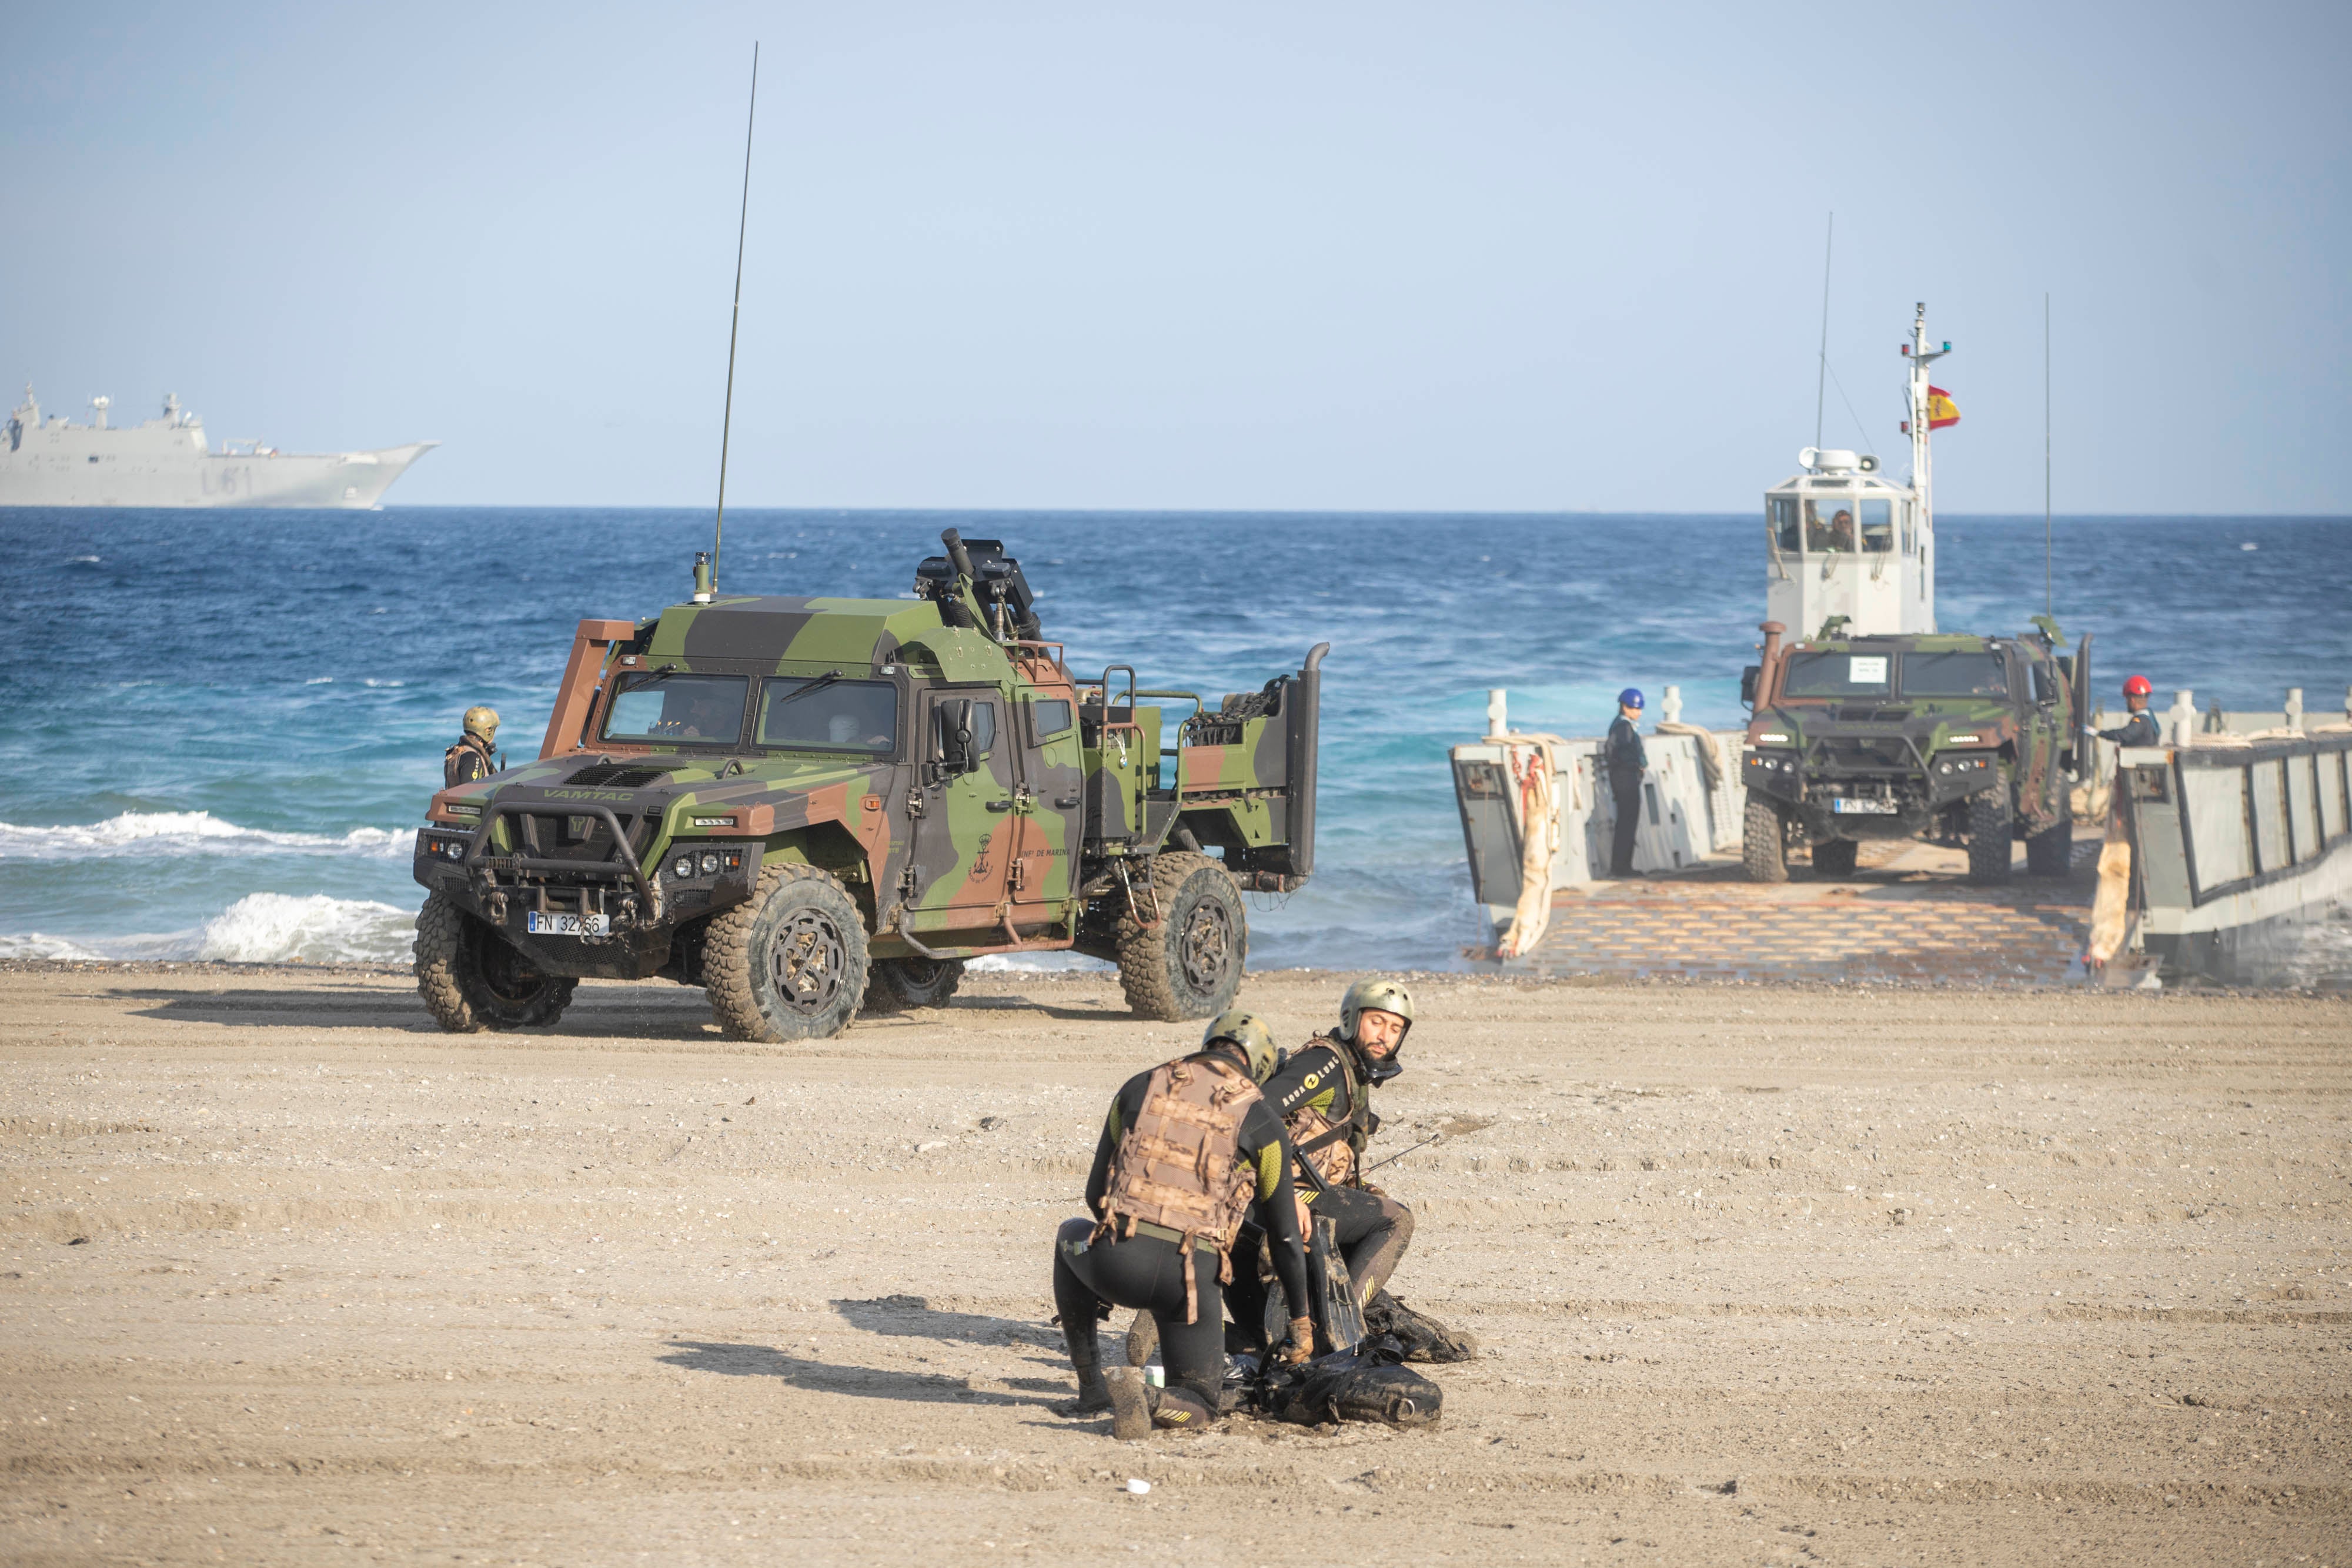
[[1839, 540]]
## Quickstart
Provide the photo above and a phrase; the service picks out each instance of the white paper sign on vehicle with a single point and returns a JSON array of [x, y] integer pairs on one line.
[[1866, 670]]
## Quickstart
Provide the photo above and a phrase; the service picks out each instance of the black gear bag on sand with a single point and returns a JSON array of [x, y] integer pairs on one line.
[[1364, 1385]]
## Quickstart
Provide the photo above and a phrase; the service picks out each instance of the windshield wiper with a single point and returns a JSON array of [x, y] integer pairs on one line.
[[794, 695]]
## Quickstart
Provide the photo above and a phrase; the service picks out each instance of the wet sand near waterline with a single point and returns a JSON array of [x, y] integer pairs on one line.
[[1763, 1274]]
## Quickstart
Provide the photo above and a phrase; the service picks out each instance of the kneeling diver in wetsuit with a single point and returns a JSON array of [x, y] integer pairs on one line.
[[1324, 1093], [1188, 1149]]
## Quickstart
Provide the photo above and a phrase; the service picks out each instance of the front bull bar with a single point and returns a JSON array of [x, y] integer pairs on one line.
[[479, 861]]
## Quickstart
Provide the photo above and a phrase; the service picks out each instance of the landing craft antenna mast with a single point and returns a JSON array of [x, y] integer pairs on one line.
[[2046, 601], [1820, 378], [705, 591]]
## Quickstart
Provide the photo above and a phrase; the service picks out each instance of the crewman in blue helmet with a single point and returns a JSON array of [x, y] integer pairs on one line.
[[1624, 761]]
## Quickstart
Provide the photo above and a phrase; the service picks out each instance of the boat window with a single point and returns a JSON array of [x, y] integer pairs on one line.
[[1877, 525], [1837, 675], [840, 715], [1967, 674], [1828, 525], [1910, 531], [698, 709], [1780, 516]]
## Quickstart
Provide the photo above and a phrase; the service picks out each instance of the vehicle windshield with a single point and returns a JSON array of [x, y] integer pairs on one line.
[[1954, 675], [701, 710], [1837, 675], [838, 715]]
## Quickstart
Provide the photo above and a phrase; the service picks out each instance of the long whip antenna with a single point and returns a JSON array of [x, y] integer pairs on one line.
[[727, 421], [2046, 599], [1820, 379]]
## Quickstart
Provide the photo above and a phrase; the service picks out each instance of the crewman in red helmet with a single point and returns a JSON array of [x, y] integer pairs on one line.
[[2138, 727]]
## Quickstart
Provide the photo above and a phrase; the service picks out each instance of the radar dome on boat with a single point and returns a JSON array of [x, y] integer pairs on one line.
[[1835, 460]]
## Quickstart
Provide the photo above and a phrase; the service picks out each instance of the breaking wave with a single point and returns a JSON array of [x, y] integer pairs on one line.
[[259, 929], [186, 834]]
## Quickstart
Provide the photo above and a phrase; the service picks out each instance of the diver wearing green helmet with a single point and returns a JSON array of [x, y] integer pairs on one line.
[[1189, 1151]]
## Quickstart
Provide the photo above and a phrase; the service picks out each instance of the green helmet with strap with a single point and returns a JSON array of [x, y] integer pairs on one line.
[[1374, 996], [1248, 1031], [482, 723]]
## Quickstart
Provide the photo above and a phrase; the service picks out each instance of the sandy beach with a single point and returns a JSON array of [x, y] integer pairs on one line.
[[1769, 1275]]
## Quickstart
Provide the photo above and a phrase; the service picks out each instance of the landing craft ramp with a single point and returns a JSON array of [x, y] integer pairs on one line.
[[1905, 916]]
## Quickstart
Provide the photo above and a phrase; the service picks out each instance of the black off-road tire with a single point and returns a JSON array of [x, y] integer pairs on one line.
[[1764, 841], [1990, 834], [896, 985], [2050, 851], [472, 978], [1833, 859], [790, 962], [1190, 965]]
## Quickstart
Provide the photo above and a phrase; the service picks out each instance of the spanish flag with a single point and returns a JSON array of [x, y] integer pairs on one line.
[[1941, 410]]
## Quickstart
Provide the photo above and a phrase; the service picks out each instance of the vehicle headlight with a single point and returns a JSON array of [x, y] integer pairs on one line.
[[455, 849], [710, 862], [682, 866]]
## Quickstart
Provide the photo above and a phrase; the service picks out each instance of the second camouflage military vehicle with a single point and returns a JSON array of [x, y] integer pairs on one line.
[[1924, 735], [811, 806]]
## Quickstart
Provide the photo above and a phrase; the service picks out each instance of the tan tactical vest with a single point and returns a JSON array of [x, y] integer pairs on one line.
[[1337, 1142], [1180, 1165], [465, 762]]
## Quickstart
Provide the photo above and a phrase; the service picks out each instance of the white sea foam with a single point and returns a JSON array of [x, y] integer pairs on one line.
[[37, 945], [259, 929], [186, 834], [273, 927]]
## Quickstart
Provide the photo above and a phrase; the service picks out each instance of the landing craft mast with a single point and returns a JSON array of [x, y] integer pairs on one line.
[[1922, 462]]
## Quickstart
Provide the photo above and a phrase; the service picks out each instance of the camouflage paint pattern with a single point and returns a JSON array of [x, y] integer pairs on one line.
[[988, 859]]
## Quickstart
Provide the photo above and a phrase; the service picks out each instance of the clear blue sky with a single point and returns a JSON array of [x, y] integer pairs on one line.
[[1360, 256]]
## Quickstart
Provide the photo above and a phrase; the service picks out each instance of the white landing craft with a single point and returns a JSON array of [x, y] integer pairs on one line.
[[53, 462]]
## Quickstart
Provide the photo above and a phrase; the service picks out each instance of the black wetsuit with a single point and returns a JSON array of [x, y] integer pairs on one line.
[[1371, 1228], [2140, 729], [1625, 758], [1147, 1270]]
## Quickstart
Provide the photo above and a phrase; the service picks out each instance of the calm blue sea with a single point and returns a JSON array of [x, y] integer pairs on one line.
[[223, 726]]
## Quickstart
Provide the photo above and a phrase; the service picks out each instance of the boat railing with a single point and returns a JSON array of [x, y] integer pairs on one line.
[[2246, 810]]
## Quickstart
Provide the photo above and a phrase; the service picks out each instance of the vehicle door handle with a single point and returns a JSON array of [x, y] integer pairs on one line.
[[1065, 802], [1000, 805]]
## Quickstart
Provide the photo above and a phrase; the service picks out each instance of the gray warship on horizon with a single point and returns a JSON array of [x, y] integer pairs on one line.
[[50, 461]]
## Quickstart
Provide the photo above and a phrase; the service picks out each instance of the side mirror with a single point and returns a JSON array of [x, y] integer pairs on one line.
[[1749, 678], [954, 721]]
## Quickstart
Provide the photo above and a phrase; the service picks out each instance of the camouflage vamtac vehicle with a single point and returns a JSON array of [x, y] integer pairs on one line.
[[1933, 735], [809, 806]]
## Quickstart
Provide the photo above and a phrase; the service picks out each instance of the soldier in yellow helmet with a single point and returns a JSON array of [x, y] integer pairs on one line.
[[473, 756]]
